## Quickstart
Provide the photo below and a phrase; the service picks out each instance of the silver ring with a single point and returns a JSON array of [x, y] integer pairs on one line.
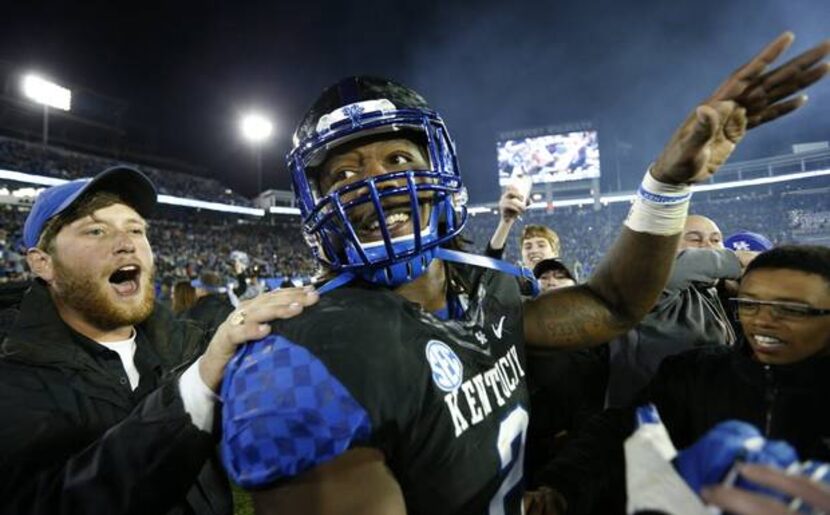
[[238, 317]]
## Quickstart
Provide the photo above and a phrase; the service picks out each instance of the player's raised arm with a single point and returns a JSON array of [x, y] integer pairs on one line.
[[635, 269]]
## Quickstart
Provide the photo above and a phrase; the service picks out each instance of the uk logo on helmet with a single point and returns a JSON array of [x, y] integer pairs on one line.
[[447, 370], [353, 111]]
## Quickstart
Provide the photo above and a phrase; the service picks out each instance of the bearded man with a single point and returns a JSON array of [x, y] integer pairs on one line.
[[97, 416]]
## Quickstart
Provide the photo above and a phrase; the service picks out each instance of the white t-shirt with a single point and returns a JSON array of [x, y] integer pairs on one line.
[[198, 399], [126, 351]]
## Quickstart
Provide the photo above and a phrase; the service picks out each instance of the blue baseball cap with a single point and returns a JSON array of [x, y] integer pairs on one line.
[[128, 183], [747, 240]]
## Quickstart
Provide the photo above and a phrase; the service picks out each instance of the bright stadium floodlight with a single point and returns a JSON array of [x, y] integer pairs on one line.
[[256, 128], [46, 92]]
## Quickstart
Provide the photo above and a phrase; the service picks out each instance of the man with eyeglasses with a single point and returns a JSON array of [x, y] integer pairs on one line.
[[784, 311], [777, 378]]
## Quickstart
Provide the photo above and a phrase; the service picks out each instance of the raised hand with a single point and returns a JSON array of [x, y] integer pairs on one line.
[[512, 204], [749, 97]]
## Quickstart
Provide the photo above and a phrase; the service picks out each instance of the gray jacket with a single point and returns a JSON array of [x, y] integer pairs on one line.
[[688, 314]]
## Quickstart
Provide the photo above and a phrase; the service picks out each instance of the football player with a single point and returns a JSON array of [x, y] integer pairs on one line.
[[403, 389]]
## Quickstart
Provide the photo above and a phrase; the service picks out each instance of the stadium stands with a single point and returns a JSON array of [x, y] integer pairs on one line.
[[32, 158], [188, 240], [793, 212]]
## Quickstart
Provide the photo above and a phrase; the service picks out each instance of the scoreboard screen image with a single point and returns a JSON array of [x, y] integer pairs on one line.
[[567, 156]]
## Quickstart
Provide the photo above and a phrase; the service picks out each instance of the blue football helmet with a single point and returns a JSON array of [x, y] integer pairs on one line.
[[366, 107]]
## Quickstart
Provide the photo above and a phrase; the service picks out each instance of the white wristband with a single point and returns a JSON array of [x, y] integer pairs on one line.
[[658, 192], [659, 208]]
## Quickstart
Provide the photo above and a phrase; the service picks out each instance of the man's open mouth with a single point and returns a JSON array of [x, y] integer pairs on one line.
[[125, 280]]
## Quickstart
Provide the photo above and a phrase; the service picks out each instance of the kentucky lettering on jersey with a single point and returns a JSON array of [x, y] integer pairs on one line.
[[485, 390]]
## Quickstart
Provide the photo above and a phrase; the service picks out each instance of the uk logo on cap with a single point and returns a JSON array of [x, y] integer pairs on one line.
[[747, 240]]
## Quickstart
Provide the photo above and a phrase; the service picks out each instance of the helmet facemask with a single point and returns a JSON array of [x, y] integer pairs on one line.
[[384, 228]]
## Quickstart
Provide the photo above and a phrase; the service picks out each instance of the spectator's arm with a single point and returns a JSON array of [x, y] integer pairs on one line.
[[812, 494], [493, 253], [499, 238], [512, 205], [141, 465], [703, 265]]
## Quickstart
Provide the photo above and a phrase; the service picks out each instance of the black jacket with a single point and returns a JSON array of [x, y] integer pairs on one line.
[[694, 391], [74, 438], [567, 389]]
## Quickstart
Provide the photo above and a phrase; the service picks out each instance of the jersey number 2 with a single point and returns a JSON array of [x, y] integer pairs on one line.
[[513, 428]]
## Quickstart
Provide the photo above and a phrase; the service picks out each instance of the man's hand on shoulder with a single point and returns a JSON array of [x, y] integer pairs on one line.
[[249, 322]]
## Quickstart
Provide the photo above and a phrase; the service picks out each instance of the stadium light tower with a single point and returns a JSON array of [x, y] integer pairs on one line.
[[48, 94], [256, 129]]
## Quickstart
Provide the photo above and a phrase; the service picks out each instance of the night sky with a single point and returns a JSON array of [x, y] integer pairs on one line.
[[185, 71]]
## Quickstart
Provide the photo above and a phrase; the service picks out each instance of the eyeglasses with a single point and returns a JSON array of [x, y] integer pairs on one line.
[[778, 308]]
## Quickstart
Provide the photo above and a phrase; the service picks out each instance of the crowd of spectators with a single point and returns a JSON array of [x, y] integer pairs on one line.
[[789, 213], [187, 241], [20, 156], [12, 263], [184, 249], [186, 246], [192, 242]]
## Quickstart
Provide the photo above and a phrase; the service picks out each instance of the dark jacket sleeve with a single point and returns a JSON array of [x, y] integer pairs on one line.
[[704, 266], [493, 253], [144, 464], [590, 470]]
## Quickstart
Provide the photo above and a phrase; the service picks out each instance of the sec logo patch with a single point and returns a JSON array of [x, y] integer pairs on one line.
[[447, 370]]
